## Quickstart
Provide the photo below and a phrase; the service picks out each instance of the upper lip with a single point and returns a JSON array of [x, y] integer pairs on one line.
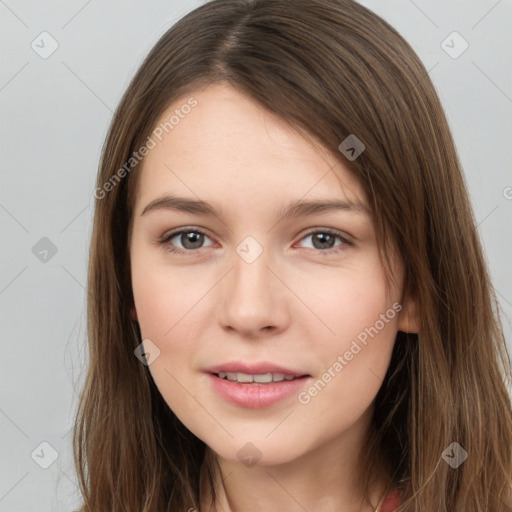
[[253, 368]]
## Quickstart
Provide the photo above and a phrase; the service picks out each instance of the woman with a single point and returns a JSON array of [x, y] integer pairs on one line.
[[288, 303]]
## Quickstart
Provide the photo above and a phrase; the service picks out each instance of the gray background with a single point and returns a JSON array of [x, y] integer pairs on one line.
[[54, 117]]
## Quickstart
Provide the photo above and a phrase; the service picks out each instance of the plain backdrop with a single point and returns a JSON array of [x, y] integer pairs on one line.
[[55, 111]]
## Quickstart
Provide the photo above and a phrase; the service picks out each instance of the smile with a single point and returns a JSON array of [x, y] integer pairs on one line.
[[255, 391], [245, 378]]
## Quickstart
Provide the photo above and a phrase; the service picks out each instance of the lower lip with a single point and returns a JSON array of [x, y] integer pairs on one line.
[[253, 395]]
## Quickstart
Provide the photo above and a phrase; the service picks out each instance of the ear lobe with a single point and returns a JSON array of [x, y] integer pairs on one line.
[[409, 320]]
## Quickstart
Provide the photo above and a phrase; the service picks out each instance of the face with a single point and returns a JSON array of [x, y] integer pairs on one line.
[[230, 280]]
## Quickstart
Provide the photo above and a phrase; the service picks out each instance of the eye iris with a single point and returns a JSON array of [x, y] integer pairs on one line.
[[196, 239], [325, 238]]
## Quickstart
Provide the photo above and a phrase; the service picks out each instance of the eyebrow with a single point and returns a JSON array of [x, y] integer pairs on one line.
[[293, 209]]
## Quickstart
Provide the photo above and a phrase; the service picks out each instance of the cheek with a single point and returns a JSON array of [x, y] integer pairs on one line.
[[362, 319], [167, 312], [352, 365], [165, 296], [350, 300]]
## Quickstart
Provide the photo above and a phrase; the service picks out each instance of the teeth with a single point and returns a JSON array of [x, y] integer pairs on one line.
[[262, 378], [245, 378]]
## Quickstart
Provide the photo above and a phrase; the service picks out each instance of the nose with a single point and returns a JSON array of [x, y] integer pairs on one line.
[[253, 298]]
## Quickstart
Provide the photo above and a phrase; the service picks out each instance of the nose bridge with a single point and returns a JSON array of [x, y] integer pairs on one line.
[[252, 297], [251, 265]]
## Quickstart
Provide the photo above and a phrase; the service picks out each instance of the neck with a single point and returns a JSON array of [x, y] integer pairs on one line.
[[325, 479]]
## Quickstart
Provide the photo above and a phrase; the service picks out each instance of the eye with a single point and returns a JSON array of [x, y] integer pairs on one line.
[[190, 239], [324, 241]]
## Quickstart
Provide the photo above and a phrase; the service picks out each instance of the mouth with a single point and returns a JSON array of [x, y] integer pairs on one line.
[[255, 385], [260, 378], [254, 373]]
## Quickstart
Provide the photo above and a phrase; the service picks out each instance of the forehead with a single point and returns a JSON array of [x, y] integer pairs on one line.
[[230, 148]]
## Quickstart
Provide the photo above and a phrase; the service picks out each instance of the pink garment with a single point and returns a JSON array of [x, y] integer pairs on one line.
[[391, 503]]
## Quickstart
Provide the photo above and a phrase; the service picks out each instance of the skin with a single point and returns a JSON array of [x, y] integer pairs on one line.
[[294, 305]]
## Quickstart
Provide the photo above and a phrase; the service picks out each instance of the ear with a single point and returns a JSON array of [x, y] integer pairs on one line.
[[133, 313], [409, 319]]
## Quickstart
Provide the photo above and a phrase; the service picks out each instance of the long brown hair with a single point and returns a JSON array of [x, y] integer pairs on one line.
[[331, 68]]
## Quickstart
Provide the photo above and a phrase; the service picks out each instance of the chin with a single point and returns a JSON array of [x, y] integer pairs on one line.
[[258, 452]]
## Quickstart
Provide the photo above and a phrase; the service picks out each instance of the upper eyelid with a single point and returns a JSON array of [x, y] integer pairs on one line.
[[179, 231]]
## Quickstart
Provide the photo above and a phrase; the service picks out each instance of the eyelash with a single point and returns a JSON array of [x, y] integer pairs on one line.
[[164, 241]]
